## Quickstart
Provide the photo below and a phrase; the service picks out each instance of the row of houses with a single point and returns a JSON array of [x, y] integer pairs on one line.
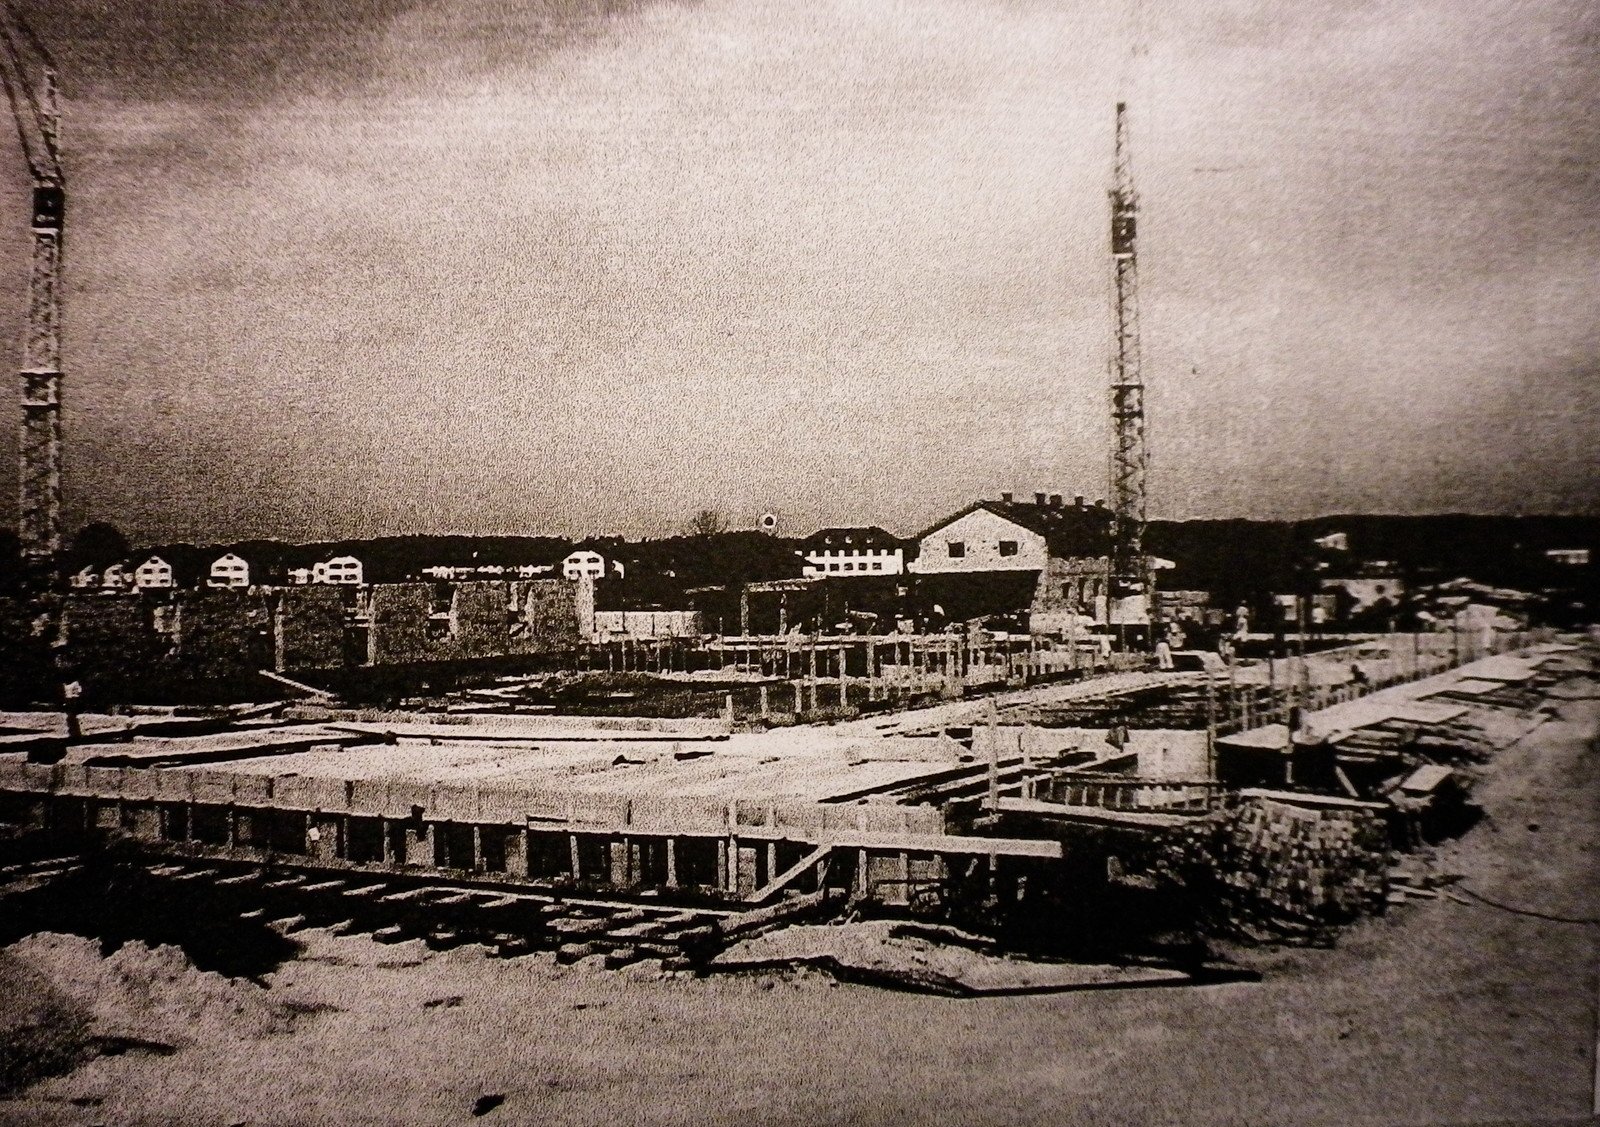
[[229, 570]]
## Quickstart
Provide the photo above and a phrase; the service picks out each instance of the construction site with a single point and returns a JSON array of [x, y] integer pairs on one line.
[[754, 858]]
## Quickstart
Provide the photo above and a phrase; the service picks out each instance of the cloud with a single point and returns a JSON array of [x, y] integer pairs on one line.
[[503, 267]]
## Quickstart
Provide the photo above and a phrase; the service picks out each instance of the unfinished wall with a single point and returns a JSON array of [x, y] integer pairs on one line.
[[422, 622], [551, 613], [1068, 583], [224, 634], [310, 628]]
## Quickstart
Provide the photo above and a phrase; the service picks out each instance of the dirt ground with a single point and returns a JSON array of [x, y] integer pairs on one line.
[[1440, 1012]]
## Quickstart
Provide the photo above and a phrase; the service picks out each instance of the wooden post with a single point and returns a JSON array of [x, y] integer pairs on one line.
[[732, 855], [992, 725], [572, 847], [765, 709], [672, 862]]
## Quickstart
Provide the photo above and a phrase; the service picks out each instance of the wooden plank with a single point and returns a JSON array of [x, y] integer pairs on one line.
[[788, 876], [1090, 815], [944, 843]]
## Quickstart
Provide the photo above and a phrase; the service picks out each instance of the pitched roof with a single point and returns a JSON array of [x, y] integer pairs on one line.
[[1068, 529]]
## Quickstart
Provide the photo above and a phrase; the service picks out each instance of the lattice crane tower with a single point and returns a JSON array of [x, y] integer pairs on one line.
[[33, 107], [1129, 568]]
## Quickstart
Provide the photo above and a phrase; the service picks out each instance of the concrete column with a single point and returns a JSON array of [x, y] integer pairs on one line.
[[322, 836], [577, 867], [517, 852], [672, 862]]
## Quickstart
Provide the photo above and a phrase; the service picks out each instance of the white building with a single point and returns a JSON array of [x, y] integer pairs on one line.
[[229, 570], [584, 564], [86, 576], [1066, 546], [339, 570], [155, 573], [853, 551], [299, 576], [116, 578]]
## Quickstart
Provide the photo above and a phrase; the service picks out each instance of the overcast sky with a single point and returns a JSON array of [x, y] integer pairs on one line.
[[351, 267]]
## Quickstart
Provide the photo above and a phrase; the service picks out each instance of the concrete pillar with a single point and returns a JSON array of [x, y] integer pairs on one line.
[[577, 865], [744, 882], [324, 836], [517, 852], [419, 844], [672, 862]]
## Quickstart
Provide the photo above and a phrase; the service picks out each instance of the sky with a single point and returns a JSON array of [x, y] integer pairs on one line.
[[362, 267]]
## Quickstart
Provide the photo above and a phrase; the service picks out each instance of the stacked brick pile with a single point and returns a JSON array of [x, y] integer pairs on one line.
[[1270, 870]]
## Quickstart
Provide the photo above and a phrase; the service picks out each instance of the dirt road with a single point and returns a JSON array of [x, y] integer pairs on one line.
[[1441, 1012]]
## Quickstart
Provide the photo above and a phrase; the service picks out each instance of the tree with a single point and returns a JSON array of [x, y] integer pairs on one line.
[[708, 522], [97, 544]]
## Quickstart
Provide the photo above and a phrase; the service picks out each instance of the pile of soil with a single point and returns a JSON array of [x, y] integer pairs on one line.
[[138, 996], [927, 959]]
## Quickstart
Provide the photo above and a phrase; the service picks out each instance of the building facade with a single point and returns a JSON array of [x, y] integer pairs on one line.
[[154, 574], [853, 551], [343, 570], [1066, 547], [228, 570]]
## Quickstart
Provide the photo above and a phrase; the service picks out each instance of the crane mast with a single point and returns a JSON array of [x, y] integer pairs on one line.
[[1129, 567], [33, 108]]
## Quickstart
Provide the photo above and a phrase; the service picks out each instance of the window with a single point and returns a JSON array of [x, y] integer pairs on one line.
[[1008, 547], [849, 567], [877, 565], [958, 549]]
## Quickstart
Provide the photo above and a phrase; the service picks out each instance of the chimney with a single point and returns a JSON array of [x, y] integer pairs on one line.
[[1005, 498], [1077, 502], [1055, 500], [1038, 499]]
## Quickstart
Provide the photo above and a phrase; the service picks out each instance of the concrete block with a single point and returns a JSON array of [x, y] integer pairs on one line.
[[807, 819], [501, 804], [295, 792], [139, 784], [252, 790], [73, 778], [371, 796], [172, 786], [598, 809], [402, 796], [454, 803], [328, 794], [212, 787], [677, 813]]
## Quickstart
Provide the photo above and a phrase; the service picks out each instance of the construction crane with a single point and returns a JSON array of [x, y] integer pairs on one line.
[[1129, 566], [28, 74]]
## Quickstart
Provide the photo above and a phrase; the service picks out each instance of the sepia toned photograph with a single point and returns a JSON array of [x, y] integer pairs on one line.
[[760, 562]]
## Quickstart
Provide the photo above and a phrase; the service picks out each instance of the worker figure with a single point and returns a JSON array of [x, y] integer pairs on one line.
[[1163, 654], [1241, 623]]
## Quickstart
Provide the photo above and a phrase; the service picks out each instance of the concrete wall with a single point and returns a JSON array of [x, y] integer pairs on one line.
[[647, 623], [310, 628], [1067, 583], [159, 639], [419, 622]]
